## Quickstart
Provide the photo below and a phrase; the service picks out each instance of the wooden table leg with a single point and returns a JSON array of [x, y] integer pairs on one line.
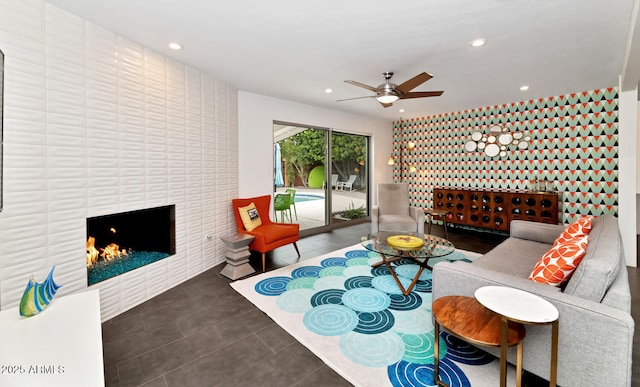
[[504, 328], [436, 353], [554, 354], [519, 366]]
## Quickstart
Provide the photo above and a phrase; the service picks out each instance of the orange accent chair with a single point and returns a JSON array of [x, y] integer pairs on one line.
[[269, 235]]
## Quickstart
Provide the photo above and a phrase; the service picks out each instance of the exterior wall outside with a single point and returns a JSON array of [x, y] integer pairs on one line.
[[96, 124]]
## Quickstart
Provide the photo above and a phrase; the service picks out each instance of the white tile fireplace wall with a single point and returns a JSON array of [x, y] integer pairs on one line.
[[95, 124]]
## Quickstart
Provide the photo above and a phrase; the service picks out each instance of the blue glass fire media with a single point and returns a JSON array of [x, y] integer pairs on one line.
[[123, 242]]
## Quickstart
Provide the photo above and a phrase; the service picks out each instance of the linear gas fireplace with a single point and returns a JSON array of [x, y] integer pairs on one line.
[[126, 241]]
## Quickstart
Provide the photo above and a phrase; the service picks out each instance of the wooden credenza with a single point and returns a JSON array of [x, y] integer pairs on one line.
[[495, 209]]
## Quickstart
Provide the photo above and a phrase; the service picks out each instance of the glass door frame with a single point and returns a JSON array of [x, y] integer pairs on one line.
[[328, 168]]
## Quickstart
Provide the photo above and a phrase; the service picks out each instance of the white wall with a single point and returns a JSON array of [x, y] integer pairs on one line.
[[628, 126], [96, 124], [255, 137]]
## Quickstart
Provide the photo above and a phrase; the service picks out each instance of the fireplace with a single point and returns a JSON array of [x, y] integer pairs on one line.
[[125, 241]]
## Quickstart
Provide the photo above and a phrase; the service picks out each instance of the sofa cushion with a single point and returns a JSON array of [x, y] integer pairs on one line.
[[577, 229], [556, 265], [513, 256], [392, 222], [601, 262]]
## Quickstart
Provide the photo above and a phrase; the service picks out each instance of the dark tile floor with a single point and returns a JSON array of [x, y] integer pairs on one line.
[[203, 333]]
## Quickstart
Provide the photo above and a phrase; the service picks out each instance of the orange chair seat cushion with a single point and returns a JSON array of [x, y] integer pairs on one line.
[[270, 236]]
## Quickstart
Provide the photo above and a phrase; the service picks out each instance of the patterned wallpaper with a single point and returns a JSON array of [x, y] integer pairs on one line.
[[573, 143]]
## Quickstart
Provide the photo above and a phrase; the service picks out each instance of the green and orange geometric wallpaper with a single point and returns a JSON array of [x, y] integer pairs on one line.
[[573, 143]]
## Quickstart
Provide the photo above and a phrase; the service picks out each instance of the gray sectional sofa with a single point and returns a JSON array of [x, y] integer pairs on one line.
[[596, 327]]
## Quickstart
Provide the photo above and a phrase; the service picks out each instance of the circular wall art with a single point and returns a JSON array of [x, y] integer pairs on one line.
[[497, 142]]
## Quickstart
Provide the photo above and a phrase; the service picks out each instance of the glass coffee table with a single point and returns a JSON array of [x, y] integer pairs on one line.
[[423, 254]]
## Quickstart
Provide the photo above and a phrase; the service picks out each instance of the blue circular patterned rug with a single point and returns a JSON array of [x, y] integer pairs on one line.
[[357, 320]]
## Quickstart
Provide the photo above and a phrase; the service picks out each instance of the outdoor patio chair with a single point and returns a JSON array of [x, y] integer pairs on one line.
[[343, 185], [292, 201], [394, 212], [334, 182], [268, 235], [282, 204]]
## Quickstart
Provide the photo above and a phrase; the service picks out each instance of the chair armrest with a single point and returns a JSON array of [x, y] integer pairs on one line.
[[418, 214]]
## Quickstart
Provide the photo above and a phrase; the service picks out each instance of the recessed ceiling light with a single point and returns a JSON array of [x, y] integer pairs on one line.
[[401, 110], [175, 46], [524, 88], [328, 90], [478, 42]]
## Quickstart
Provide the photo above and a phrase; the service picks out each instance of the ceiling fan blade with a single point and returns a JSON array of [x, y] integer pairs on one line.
[[355, 83], [386, 105], [349, 99], [422, 94], [414, 82]]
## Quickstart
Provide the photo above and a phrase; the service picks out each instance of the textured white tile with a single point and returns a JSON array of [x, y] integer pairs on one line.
[[63, 243], [22, 53], [110, 303], [96, 124], [134, 286], [62, 74], [56, 172], [132, 191], [66, 184], [62, 205], [55, 195], [157, 276]]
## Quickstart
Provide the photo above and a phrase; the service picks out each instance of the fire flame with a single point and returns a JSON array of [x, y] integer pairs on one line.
[[109, 253]]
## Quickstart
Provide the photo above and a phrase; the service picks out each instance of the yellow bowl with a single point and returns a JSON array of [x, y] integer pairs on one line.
[[405, 242]]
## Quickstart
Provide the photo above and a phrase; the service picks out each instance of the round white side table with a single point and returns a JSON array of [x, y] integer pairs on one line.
[[525, 308]]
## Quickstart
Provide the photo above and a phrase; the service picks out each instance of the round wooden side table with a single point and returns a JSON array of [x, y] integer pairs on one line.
[[465, 318], [442, 214], [515, 305]]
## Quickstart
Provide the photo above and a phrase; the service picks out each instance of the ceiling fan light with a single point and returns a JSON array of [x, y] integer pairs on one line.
[[387, 97]]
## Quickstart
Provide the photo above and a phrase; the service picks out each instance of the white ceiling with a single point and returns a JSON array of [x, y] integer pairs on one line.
[[294, 49]]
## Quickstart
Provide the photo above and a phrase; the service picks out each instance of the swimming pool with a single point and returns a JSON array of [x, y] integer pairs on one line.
[[307, 197]]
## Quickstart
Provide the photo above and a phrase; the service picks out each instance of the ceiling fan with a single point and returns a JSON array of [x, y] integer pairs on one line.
[[387, 93]]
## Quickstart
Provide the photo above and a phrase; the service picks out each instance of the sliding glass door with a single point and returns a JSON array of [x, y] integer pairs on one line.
[[328, 184], [349, 177]]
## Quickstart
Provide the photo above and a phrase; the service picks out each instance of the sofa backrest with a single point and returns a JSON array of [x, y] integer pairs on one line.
[[601, 264]]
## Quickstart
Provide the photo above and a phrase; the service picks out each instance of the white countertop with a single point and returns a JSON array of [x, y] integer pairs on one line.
[[61, 346]]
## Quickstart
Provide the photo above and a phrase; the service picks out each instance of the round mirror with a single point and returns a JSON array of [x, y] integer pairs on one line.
[[523, 145], [476, 136], [503, 153], [505, 138], [492, 150], [517, 135], [481, 145], [470, 146], [491, 139], [495, 129]]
